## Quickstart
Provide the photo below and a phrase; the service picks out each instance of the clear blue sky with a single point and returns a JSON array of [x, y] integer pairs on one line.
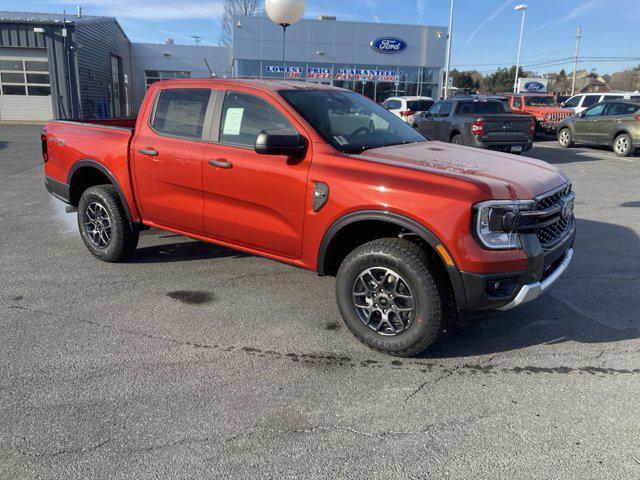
[[484, 34]]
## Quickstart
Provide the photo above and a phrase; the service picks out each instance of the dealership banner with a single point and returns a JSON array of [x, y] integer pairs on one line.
[[340, 73], [292, 72]]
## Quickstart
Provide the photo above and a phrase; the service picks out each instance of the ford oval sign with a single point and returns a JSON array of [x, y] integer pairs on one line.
[[534, 87], [389, 45]]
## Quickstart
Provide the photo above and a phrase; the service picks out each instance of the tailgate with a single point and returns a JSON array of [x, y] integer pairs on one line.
[[506, 128]]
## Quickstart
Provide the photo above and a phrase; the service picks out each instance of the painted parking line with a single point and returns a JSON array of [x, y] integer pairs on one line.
[[588, 153]]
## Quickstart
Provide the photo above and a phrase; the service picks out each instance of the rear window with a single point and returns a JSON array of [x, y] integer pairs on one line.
[[419, 105], [181, 112], [479, 108]]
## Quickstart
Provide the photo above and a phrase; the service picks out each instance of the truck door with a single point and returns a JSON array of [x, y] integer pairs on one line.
[[167, 158], [250, 199], [427, 125]]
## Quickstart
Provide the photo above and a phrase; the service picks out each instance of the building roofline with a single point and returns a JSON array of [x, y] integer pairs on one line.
[[355, 21]]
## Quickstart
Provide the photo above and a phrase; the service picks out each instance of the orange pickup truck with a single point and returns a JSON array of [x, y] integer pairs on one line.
[[543, 107], [324, 179]]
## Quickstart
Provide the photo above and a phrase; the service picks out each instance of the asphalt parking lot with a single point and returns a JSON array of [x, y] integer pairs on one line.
[[194, 361]]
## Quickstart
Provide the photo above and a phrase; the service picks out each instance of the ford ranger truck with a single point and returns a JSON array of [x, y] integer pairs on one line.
[[543, 107], [321, 178]]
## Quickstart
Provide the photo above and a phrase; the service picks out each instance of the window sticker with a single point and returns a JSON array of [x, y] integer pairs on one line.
[[233, 121]]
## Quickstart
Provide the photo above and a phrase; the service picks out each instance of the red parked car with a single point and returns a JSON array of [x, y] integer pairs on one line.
[[324, 179], [543, 107]]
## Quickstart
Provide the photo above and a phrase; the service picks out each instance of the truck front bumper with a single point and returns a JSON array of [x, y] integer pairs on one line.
[[504, 291], [531, 291]]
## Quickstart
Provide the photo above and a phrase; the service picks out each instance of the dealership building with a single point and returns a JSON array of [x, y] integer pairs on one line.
[[80, 66]]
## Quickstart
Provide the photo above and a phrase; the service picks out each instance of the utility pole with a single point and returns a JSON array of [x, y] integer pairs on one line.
[[523, 9], [197, 38], [575, 59], [448, 67]]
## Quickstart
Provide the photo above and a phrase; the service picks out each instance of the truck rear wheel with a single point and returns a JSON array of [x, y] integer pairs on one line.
[[103, 225], [390, 298], [457, 139]]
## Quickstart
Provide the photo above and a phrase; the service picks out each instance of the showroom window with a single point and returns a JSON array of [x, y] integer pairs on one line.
[[153, 76], [24, 77]]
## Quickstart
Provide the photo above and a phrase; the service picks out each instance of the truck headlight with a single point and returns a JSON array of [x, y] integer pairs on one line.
[[495, 223]]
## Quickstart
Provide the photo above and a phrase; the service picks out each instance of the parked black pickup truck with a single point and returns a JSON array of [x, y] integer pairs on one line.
[[477, 122]]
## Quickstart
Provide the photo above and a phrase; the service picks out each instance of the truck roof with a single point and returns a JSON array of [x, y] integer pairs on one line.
[[272, 85]]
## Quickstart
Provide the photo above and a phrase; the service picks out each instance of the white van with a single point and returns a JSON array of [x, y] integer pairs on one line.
[[582, 101]]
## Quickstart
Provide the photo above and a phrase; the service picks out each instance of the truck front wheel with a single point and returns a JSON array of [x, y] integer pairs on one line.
[[103, 225], [390, 297]]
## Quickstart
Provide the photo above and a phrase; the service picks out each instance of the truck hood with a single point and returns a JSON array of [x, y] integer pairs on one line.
[[505, 176], [541, 111]]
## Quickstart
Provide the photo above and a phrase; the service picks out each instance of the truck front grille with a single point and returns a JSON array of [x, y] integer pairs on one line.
[[560, 225]]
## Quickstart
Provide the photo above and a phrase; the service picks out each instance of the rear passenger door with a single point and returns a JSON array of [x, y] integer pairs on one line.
[[253, 200], [167, 158]]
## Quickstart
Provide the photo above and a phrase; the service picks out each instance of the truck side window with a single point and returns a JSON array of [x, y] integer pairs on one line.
[[517, 102], [181, 112], [445, 108], [244, 116]]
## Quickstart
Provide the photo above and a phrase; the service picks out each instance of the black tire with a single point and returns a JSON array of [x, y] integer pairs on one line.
[[457, 139], [623, 145], [565, 138], [123, 238], [429, 297]]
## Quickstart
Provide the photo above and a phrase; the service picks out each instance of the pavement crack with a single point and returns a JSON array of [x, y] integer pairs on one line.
[[68, 451]]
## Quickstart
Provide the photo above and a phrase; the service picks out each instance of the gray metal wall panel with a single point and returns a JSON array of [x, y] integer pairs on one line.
[[341, 42], [96, 42]]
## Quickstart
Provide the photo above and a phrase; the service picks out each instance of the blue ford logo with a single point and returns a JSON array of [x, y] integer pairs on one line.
[[534, 86], [389, 45]]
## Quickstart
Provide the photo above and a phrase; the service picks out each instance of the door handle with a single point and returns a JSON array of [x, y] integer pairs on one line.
[[149, 151], [221, 163]]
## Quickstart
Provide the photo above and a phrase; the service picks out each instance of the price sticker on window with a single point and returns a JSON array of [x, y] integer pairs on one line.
[[233, 121]]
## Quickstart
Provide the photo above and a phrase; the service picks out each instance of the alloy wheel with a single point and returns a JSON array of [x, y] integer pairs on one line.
[[622, 144], [97, 224], [383, 301], [564, 137]]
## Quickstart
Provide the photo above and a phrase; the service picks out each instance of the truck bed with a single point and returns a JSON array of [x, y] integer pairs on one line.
[[100, 143]]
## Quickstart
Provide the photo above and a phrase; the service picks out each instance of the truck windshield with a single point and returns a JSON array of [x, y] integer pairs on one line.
[[349, 121], [535, 101], [479, 108]]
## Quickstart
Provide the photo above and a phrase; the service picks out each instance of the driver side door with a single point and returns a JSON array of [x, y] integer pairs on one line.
[[253, 200], [427, 124], [586, 126]]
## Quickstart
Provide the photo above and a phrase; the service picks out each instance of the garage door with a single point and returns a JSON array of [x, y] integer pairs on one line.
[[25, 90]]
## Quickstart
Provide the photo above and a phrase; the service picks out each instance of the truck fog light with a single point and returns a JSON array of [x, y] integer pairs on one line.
[[501, 287]]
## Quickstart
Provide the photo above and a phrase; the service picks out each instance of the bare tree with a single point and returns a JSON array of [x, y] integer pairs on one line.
[[236, 7]]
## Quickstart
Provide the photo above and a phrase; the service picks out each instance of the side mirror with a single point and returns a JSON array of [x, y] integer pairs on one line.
[[580, 115], [423, 114], [563, 104], [280, 142]]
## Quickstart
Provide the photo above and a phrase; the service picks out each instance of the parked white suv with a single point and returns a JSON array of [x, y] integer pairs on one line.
[[408, 108], [582, 101]]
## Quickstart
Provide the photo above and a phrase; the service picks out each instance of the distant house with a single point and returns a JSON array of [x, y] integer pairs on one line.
[[589, 82]]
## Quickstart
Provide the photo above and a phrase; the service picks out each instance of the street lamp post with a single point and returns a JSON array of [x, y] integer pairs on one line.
[[285, 13], [523, 8], [448, 67]]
